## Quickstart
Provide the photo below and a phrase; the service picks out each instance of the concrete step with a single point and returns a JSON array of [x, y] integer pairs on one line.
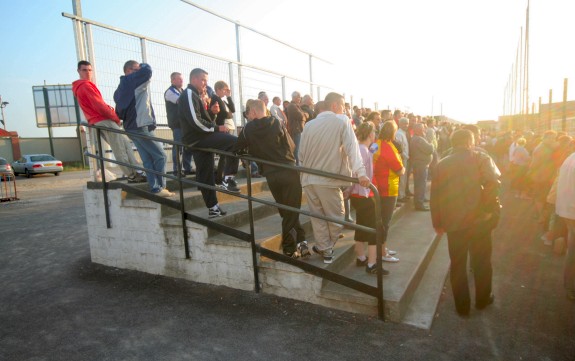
[[344, 253], [237, 212], [421, 311], [193, 197], [413, 237]]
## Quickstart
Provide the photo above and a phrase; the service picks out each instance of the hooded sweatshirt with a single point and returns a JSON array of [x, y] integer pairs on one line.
[[92, 103], [267, 138], [133, 99]]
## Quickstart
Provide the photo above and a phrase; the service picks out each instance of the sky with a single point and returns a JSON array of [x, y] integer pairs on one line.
[[444, 56]]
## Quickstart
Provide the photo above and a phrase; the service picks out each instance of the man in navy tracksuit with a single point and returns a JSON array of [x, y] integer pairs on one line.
[[200, 130], [171, 96], [134, 107]]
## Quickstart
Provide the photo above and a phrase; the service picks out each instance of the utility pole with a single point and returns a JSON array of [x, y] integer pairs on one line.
[[2, 106], [564, 107], [549, 111], [526, 67]]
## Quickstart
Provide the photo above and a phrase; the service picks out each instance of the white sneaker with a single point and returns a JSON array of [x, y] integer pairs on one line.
[[390, 252], [390, 258], [165, 193]]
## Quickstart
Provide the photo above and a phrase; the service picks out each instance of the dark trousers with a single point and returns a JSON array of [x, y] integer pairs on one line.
[[387, 208], [476, 241], [364, 216], [286, 188], [205, 163]]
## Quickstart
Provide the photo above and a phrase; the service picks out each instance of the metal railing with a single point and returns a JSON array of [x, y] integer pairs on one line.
[[249, 237]]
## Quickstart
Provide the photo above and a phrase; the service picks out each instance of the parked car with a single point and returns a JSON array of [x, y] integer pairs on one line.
[[5, 170], [31, 164]]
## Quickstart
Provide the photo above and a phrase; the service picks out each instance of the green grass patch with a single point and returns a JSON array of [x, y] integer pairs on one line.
[[73, 166]]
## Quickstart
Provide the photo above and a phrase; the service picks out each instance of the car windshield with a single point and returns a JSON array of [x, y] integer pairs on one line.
[[41, 158], [3, 161]]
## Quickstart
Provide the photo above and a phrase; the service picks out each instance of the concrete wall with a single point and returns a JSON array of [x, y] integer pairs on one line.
[[6, 149], [138, 240], [65, 149]]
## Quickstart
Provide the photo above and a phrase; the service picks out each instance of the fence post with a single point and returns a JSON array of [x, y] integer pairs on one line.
[[90, 140], [549, 111], [232, 88], [103, 177], [252, 228], [239, 59], [564, 107], [310, 76], [284, 94], [539, 125], [143, 49]]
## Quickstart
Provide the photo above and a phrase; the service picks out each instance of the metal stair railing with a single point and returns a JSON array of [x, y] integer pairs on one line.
[[247, 237]]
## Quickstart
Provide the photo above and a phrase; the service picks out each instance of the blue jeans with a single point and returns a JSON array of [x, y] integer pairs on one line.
[[186, 160], [153, 157], [419, 184], [296, 140]]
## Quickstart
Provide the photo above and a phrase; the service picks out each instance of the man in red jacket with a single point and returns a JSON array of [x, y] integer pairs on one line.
[[98, 112]]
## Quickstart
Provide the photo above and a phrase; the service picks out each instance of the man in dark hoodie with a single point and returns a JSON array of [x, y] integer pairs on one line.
[[267, 138], [134, 106]]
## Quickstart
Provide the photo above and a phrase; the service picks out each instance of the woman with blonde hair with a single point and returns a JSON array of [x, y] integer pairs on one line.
[[387, 167]]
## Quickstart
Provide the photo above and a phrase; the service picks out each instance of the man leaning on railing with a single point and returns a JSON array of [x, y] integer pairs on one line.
[[97, 112], [134, 107]]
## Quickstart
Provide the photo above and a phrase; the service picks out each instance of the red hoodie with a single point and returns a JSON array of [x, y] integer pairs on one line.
[[92, 103]]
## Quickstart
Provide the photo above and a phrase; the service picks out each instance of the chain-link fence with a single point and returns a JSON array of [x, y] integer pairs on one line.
[[278, 69]]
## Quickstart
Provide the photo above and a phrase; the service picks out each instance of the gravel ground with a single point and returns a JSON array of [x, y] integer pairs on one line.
[[56, 305]]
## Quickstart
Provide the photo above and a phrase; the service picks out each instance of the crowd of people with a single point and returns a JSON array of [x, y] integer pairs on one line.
[[390, 149]]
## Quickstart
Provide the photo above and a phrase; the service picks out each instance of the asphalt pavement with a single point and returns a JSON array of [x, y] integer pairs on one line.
[[57, 305]]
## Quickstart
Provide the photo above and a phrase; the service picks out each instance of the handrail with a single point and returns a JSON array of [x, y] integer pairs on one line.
[[348, 282]]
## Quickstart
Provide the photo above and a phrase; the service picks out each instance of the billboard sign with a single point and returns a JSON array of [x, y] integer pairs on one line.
[[56, 106]]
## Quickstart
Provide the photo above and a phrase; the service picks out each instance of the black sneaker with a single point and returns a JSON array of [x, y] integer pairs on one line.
[[373, 270], [218, 212], [327, 254], [231, 185], [303, 249], [138, 178], [360, 263]]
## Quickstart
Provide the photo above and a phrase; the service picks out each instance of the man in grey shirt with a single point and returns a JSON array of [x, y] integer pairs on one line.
[[420, 151]]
